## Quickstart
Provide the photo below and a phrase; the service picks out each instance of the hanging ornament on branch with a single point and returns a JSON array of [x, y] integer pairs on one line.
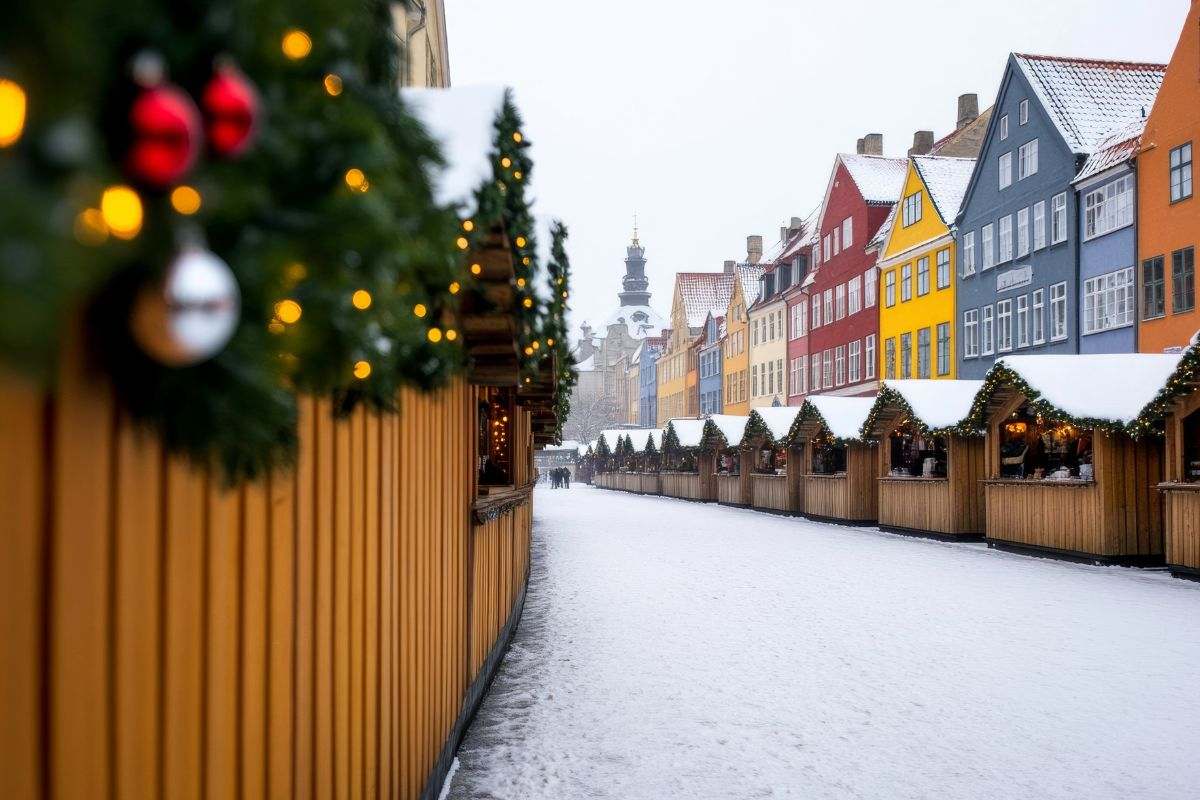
[[163, 126], [231, 110]]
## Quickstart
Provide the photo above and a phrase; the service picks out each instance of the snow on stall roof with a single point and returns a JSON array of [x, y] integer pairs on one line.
[[640, 436], [844, 416], [879, 179], [1108, 386], [938, 404], [778, 419], [610, 436], [703, 292], [731, 426], [462, 119], [1088, 98], [569, 444], [689, 431], [947, 180]]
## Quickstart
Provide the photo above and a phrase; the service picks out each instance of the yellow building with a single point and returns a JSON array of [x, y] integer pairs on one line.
[[696, 295], [735, 366], [916, 271]]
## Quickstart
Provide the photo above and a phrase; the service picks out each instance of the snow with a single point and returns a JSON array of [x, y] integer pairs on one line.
[[747, 275], [688, 431], [611, 436], [675, 650], [947, 180], [1109, 386], [938, 404], [652, 325], [1087, 99], [640, 436], [703, 293], [778, 419], [587, 365], [1118, 147], [731, 426], [879, 179], [463, 120], [844, 416], [568, 444]]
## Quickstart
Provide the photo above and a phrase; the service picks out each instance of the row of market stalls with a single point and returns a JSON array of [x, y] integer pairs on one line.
[[1094, 457]]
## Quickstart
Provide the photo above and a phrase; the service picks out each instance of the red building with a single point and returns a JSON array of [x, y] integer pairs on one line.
[[843, 317], [799, 252]]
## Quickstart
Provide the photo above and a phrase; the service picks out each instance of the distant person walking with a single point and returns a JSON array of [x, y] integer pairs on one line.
[[566, 476]]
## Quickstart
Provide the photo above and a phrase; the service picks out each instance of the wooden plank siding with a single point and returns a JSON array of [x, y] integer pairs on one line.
[[952, 505], [686, 485], [851, 496], [1181, 498], [311, 635], [729, 489], [771, 492]]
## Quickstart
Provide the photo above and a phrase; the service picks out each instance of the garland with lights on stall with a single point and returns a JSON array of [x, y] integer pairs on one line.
[[809, 413], [889, 397], [1183, 381], [757, 430], [237, 200]]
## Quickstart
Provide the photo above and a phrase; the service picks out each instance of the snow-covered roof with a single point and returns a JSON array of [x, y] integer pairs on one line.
[[1118, 147], [778, 419], [731, 427], [462, 120], [843, 416], [1088, 98], [947, 180], [703, 292], [1113, 387], [639, 321], [688, 431], [583, 448], [587, 365], [879, 179], [936, 404], [640, 436], [748, 275]]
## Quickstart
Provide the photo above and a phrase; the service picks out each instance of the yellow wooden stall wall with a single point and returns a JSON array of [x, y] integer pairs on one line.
[[306, 636]]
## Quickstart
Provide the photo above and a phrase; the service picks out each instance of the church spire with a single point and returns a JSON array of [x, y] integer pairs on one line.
[[636, 243], [634, 283]]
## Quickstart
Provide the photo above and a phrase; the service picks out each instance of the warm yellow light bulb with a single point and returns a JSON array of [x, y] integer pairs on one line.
[[122, 211], [296, 44], [333, 85], [468, 225], [451, 334], [506, 162], [528, 351], [536, 345], [355, 179], [527, 302], [550, 343], [288, 311], [462, 243], [521, 282], [476, 269], [527, 261], [517, 137], [361, 299], [521, 241], [362, 369], [12, 112], [434, 334], [185, 200], [454, 287], [517, 175], [420, 310]]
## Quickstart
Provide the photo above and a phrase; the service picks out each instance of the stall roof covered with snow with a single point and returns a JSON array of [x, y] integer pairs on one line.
[[842, 417], [723, 431], [772, 424], [684, 433], [936, 406]]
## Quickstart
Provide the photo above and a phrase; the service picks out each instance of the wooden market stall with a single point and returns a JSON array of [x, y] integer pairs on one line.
[[644, 446], [930, 459], [841, 465], [1072, 465], [686, 470], [1179, 402], [722, 445], [776, 482]]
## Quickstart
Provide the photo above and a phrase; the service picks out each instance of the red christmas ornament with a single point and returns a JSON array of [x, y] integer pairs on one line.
[[166, 136], [231, 111]]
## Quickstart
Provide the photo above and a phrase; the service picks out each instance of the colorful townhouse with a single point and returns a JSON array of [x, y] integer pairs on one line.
[[696, 295], [1018, 282], [710, 366], [843, 322], [1168, 225], [768, 337], [798, 253], [735, 347], [648, 379], [916, 272]]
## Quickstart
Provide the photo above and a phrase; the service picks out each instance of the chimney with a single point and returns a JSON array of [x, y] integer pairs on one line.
[[754, 249], [796, 224], [784, 231], [729, 265], [968, 110], [871, 145], [922, 143]]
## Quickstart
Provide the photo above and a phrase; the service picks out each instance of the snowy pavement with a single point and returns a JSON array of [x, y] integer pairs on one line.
[[680, 650]]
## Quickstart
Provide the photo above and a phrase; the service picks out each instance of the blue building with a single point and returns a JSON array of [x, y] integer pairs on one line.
[[1019, 228], [647, 357], [710, 367]]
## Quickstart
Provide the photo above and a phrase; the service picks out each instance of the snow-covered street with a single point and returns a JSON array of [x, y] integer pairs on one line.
[[679, 650]]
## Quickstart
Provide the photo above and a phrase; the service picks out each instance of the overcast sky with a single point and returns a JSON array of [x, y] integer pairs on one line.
[[714, 120]]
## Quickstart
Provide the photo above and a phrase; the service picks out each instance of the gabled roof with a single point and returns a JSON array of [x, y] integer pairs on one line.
[[843, 417], [775, 421], [804, 237], [937, 406], [879, 179], [1088, 98], [747, 276], [1113, 150], [966, 141], [687, 431], [702, 293], [723, 431], [947, 180]]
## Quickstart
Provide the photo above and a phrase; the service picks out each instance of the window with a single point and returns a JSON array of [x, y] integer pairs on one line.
[[1027, 160], [1023, 232], [1039, 225], [870, 287], [869, 353], [827, 382], [855, 368], [889, 288], [1058, 218], [1108, 208], [1038, 322], [1181, 172], [889, 359], [906, 355], [854, 292], [971, 333], [1004, 127], [1058, 311], [847, 232], [906, 282], [1154, 299], [943, 268], [816, 255], [754, 380], [840, 294], [1023, 321], [923, 353], [825, 247], [1023, 113], [795, 375], [816, 312], [815, 383], [911, 213], [799, 320], [837, 241], [754, 333], [989, 247], [943, 348], [828, 306], [968, 253], [840, 364], [1004, 326], [923, 275], [1183, 280], [1006, 242], [1005, 170], [985, 329], [1108, 301]]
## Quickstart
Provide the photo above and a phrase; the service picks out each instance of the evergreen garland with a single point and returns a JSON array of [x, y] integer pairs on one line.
[[712, 440], [1183, 381], [809, 413], [757, 431], [650, 449], [670, 444], [602, 448], [890, 398]]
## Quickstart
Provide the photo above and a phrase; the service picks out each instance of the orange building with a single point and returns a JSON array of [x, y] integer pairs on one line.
[[1168, 210]]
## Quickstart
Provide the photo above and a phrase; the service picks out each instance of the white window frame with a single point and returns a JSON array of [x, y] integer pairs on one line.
[[1004, 335], [1109, 301], [968, 253], [924, 346], [987, 340], [815, 372], [889, 288], [815, 321], [869, 353], [1039, 224], [827, 298], [854, 368], [1023, 232], [943, 267], [847, 232], [1037, 319], [1003, 127], [906, 283], [827, 368], [825, 243], [837, 240], [840, 301], [854, 295], [943, 327], [1180, 166], [987, 237], [910, 212], [905, 356], [1059, 323], [971, 333], [1005, 230], [1022, 319], [870, 287], [923, 277], [1004, 170], [1023, 112], [1027, 160], [1058, 218], [839, 365], [1108, 208]]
